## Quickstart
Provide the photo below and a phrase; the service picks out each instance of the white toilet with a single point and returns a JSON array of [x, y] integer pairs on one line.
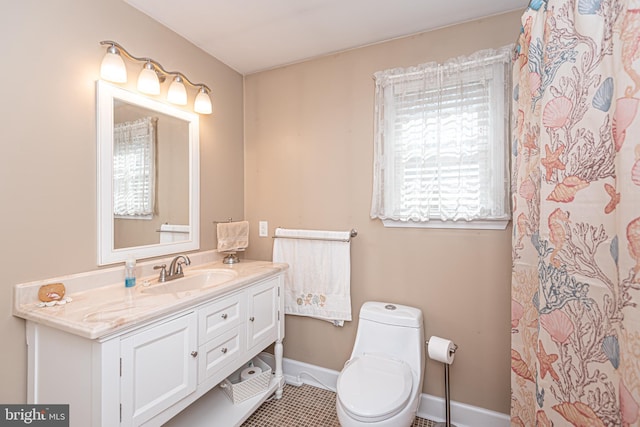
[[381, 383]]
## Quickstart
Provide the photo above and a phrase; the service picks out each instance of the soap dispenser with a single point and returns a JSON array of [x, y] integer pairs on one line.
[[130, 272]]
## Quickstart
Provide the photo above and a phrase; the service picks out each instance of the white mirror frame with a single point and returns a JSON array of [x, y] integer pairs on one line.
[[107, 254]]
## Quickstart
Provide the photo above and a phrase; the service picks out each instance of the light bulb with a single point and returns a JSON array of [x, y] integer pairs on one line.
[[112, 67], [148, 80], [177, 92], [202, 103]]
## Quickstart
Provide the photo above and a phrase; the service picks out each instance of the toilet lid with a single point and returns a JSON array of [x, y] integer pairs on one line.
[[372, 387]]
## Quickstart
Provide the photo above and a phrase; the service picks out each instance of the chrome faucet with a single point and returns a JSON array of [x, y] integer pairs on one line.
[[175, 269]]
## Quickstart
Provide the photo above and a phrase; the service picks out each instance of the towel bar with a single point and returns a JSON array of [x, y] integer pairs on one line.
[[227, 220], [353, 234]]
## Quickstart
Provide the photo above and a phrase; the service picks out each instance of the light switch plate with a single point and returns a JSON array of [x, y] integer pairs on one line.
[[263, 230]]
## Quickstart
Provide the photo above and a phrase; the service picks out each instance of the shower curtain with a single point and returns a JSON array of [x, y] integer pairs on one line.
[[575, 353]]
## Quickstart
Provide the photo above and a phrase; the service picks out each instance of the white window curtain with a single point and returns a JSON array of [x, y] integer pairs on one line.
[[441, 140], [134, 170]]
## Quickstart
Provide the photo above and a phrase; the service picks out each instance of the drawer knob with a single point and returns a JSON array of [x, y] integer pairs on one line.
[[224, 315], [252, 318], [194, 354], [224, 350]]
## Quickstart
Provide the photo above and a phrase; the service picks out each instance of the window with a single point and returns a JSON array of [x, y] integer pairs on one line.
[[134, 146], [441, 143]]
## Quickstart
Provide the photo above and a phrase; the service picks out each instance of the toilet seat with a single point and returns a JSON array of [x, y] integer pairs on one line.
[[374, 387]]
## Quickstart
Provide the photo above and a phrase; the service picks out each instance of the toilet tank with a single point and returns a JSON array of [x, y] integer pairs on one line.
[[392, 314], [391, 329]]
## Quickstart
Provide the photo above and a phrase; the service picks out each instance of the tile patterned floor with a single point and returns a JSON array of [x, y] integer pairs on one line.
[[304, 406]]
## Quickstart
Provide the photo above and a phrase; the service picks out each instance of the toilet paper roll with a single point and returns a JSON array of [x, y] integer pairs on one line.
[[250, 372], [441, 349]]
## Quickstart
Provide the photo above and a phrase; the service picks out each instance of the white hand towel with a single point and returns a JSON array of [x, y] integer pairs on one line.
[[233, 236], [318, 281], [174, 233]]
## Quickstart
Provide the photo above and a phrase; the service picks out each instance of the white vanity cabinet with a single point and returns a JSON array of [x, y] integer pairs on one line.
[[150, 373]]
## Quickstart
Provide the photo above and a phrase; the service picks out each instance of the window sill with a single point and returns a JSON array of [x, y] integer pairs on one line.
[[435, 223], [144, 217]]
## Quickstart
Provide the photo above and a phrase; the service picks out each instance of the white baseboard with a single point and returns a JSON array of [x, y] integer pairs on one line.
[[298, 373], [462, 415], [431, 407]]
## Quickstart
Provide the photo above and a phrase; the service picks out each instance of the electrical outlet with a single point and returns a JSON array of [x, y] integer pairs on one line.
[[263, 229]]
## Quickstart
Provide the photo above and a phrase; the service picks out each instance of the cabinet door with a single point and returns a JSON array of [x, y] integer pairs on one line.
[[263, 314], [158, 368]]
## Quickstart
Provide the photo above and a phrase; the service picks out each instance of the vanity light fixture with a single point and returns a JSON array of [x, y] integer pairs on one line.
[[148, 81], [202, 103], [177, 92], [113, 68], [152, 75]]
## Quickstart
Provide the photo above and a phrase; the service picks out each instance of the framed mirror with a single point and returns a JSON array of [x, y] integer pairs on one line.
[[148, 177]]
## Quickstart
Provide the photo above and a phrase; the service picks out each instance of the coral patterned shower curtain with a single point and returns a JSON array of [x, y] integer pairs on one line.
[[575, 353]]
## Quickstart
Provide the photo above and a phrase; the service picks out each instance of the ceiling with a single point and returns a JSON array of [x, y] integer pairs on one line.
[[256, 35]]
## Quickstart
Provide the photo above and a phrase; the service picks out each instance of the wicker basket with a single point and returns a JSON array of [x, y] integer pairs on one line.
[[239, 391]]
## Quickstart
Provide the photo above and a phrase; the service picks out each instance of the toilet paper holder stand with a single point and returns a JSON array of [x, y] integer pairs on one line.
[[447, 394]]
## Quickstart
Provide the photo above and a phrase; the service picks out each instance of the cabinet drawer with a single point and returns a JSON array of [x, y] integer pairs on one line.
[[220, 316], [217, 353]]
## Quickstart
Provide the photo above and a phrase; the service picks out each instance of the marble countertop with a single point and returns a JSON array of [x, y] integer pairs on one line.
[[103, 306]]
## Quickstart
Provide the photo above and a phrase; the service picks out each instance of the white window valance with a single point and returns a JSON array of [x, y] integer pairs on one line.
[[441, 140], [134, 168]]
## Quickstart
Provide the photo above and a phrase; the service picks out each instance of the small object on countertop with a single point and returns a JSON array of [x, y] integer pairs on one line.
[[51, 292], [63, 301]]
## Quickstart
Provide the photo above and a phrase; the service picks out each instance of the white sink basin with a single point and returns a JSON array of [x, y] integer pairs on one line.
[[193, 280]]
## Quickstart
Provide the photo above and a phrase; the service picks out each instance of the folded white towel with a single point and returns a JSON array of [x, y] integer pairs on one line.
[[233, 236], [318, 281]]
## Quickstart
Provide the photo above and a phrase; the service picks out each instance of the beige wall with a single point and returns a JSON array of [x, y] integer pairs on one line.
[[50, 62], [308, 164]]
